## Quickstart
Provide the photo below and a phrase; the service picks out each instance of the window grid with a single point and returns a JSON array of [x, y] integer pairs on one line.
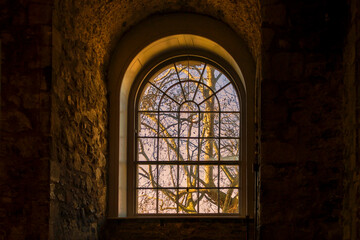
[[218, 163]]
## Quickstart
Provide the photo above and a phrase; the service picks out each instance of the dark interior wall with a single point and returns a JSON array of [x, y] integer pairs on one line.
[[302, 107], [25, 33], [179, 229], [351, 210], [310, 185], [84, 35]]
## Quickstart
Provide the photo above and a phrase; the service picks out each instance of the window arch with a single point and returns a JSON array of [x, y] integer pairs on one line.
[[140, 54], [188, 140]]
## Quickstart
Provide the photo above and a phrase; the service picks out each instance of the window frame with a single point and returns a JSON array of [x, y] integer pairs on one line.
[[182, 33], [135, 93]]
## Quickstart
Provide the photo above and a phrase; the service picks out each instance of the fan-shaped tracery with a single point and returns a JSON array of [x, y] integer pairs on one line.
[[188, 142]]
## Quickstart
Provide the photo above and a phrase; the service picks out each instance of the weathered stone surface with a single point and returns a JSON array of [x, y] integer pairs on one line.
[[176, 228], [351, 207], [84, 36], [302, 137], [25, 119], [54, 59]]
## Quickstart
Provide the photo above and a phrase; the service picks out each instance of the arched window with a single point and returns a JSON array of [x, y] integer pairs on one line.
[[188, 140], [181, 120]]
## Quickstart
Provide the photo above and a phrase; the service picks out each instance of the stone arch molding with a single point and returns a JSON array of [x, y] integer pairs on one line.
[[155, 39]]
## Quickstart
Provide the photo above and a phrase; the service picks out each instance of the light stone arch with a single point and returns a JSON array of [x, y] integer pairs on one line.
[[160, 37]]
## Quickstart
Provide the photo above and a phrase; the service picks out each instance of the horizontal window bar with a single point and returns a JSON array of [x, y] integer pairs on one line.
[[159, 111], [188, 214], [180, 163], [189, 188], [216, 138]]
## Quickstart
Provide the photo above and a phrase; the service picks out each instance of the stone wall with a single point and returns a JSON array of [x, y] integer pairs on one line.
[[351, 210], [25, 34], [79, 125], [54, 109], [302, 107], [179, 229], [84, 35]]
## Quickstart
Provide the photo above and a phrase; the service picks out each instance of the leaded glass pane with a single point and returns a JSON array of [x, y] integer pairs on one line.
[[208, 201], [231, 203], [147, 176], [165, 78], [230, 124], [168, 176], [148, 124], [228, 99], [168, 124], [229, 176], [147, 149], [146, 201], [188, 176], [167, 201], [208, 176], [188, 128], [188, 201]]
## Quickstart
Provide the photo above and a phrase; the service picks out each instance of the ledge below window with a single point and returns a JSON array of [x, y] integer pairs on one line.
[[179, 228]]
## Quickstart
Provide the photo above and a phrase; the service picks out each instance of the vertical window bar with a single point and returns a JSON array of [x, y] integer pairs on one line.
[[188, 68], [219, 155], [157, 160], [240, 186], [198, 166], [157, 188], [178, 157], [219, 158], [177, 190]]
